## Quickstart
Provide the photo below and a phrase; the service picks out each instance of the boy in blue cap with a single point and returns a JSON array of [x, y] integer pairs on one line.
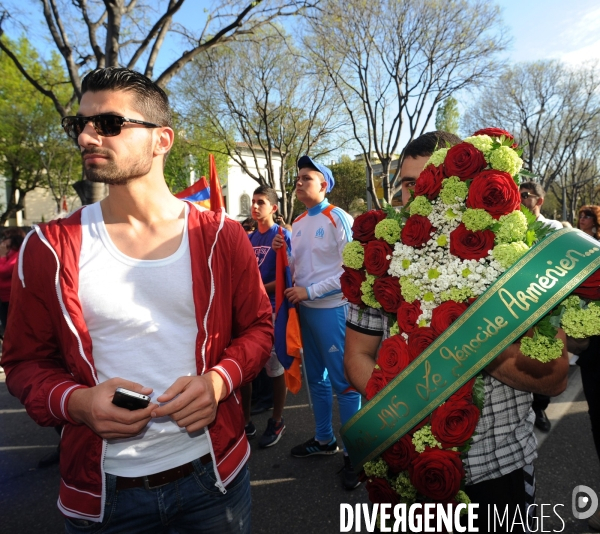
[[318, 238]]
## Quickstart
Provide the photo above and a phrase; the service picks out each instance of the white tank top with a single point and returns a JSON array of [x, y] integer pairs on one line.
[[141, 318]]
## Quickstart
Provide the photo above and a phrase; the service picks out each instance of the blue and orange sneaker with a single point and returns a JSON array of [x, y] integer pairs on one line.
[[272, 434]]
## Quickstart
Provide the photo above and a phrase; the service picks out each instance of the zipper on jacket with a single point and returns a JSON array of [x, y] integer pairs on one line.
[[219, 482]]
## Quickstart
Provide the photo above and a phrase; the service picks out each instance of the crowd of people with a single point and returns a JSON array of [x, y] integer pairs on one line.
[[175, 304]]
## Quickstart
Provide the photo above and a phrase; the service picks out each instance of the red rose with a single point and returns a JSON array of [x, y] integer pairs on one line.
[[464, 160], [400, 455], [429, 182], [407, 316], [469, 245], [454, 422], [494, 191], [393, 356], [350, 282], [376, 257], [437, 474], [363, 229], [417, 231], [590, 289], [497, 132], [387, 292], [375, 384], [381, 492], [419, 340], [445, 314], [464, 392]]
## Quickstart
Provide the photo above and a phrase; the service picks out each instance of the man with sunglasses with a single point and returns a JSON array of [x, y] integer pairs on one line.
[[532, 197], [144, 292]]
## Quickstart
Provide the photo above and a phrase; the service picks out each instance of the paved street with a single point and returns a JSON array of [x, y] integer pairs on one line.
[[295, 496]]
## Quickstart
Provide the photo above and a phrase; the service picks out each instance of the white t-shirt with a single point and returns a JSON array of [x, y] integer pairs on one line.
[[141, 318]]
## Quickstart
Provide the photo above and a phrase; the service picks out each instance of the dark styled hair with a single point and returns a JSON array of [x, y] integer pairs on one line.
[[149, 99], [269, 192], [534, 187], [428, 143], [249, 224], [594, 211], [15, 237]]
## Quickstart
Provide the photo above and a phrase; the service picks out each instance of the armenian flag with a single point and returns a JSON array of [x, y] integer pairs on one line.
[[288, 342], [199, 193]]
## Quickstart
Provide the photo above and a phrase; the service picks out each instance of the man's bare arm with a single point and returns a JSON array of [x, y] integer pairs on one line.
[[525, 374], [360, 354]]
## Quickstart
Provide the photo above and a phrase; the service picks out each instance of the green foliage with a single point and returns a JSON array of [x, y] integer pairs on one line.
[[190, 152], [447, 116], [35, 151], [479, 392], [350, 184]]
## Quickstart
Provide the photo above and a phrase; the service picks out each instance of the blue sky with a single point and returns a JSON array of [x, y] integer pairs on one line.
[[565, 30]]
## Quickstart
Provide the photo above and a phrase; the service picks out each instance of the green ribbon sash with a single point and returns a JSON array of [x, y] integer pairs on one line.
[[524, 294]]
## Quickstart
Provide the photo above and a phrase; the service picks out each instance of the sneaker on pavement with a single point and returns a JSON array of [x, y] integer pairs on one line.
[[250, 430], [312, 446], [272, 434], [349, 477]]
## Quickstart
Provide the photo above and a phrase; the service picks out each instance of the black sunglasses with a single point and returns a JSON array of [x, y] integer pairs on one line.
[[526, 194], [105, 125]]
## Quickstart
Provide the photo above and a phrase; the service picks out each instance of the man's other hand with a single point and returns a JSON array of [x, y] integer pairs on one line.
[[191, 401]]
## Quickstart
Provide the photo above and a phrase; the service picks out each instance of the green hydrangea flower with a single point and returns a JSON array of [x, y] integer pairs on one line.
[[580, 323], [572, 301], [388, 230], [453, 188], [438, 157], [542, 348], [353, 255], [477, 219], [424, 438], [403, 487], [513, 227], [506, 254], [395, 329], [410, 291], [368, 297], [377, 468], [458, 294], [420, 206], [481, 142], [505, 159]]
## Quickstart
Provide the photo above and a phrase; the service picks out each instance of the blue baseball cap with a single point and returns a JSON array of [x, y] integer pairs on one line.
[[305, 161]]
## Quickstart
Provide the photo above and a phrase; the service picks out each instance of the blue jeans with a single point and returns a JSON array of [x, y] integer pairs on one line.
[[192, 504]]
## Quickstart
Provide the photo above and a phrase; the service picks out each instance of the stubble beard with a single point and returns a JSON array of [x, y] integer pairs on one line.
[[111, 173]]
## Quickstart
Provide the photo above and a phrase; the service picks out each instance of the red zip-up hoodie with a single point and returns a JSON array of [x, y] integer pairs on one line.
[[48, 353]]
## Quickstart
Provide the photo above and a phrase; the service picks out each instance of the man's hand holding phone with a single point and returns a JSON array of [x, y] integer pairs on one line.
[[94, 407]]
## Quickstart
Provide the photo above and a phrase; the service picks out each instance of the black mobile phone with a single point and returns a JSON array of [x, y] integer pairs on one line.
[[131, 400]]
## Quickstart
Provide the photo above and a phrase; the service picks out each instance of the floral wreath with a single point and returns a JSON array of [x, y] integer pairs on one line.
[[423, 266]]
